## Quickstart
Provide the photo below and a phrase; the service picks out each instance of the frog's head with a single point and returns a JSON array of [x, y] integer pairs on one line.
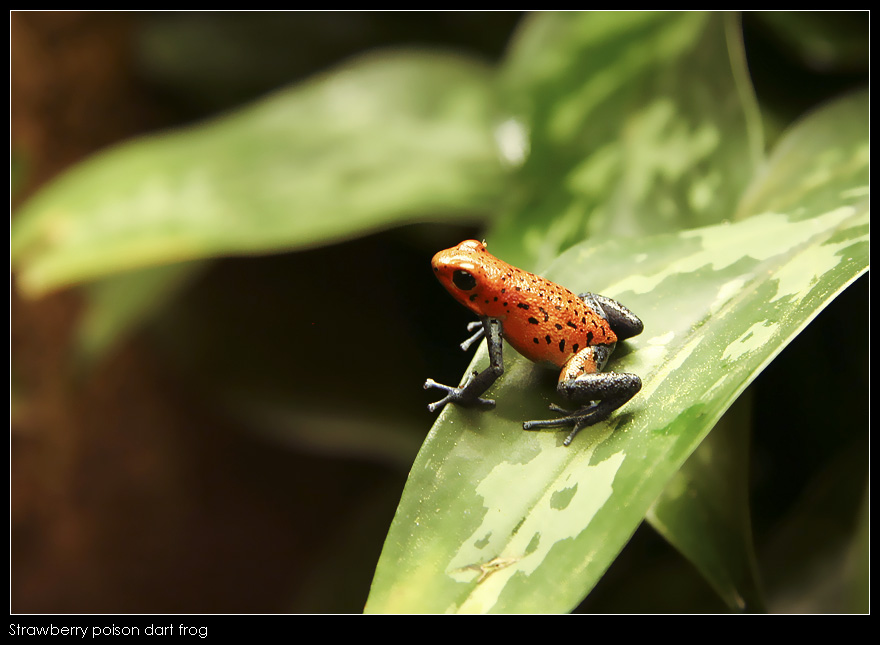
[[469, 272]]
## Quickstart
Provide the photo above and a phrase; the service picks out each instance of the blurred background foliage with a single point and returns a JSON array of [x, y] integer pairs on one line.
[[233, 436]]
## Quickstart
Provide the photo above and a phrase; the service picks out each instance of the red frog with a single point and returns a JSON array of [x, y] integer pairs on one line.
[[546, 323]]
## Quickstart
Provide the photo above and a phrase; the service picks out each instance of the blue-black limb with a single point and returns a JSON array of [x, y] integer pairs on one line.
[[624, 322], [468, 395], [604, 392]]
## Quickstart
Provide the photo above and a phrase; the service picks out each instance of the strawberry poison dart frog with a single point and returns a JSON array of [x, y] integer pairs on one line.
[[546, 323]]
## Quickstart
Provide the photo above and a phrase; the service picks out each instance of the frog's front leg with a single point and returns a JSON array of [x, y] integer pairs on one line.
[[599, 393], [468, 395]]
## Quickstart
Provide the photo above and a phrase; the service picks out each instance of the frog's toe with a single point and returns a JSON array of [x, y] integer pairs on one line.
[[586, 416], [456, 395], [570, 418]]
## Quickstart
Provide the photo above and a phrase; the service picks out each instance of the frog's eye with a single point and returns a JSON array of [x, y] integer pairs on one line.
[[463, 280]]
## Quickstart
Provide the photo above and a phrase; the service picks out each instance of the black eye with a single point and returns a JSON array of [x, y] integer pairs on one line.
[[464, 280]]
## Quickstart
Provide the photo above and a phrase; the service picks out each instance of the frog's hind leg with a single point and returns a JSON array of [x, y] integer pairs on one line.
[[598, 393], [624, 322]]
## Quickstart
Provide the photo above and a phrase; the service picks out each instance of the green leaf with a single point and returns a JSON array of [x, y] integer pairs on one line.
[[812, 560], [707, 519], [637, 123], [117, 304], [386, 139], [495, 519], [820, 164], [704, 511]]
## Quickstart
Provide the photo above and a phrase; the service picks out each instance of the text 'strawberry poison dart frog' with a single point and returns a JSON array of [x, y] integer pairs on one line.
[[546, 323]]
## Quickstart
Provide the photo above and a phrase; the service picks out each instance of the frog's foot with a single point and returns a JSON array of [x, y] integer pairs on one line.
[[578, 419], [458, 395], [600, 393], [468, 394]]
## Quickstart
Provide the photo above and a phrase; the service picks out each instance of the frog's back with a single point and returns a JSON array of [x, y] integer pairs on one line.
[[547, 323]]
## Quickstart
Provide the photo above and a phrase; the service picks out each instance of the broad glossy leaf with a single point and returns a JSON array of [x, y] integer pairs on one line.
[[635, 123], [386, 139], [812, 561], [629, 165], [497, 519], [704, 511], [115, 305]]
